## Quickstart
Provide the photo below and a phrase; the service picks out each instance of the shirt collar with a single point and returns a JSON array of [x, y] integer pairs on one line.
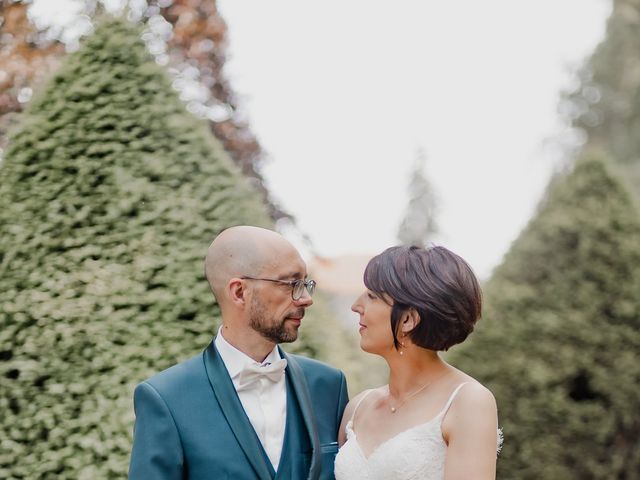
[[235, 360]]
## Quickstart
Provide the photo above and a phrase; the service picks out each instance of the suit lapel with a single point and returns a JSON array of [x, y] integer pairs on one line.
[[232, 409], [301, 390]]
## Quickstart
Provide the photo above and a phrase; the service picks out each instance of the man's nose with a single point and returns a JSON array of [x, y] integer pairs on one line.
[[305, 299]]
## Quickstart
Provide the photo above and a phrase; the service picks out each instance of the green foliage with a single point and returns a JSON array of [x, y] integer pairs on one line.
[[606, 104], [109, 192], [559, 344]]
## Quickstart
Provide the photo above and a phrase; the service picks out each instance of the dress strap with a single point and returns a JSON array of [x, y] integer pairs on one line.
[[367, 392], [451, 398]]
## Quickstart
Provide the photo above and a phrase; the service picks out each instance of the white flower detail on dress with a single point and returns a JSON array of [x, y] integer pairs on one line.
[[417, 453]]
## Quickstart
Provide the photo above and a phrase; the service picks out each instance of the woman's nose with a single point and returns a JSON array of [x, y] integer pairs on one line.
[[356, 307]]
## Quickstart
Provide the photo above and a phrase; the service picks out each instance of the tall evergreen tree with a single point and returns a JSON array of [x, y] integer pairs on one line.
[[26, 57], [107, 192], [198, 37], [559, 344], [606, 104], [419, 224]]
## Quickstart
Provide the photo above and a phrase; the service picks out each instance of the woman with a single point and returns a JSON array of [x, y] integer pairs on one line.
[[431, 421]]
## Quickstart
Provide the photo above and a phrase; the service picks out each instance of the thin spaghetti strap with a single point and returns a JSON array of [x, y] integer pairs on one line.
[[451, 398], [358, 404]]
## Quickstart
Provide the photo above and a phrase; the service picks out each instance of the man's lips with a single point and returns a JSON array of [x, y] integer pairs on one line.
[[298, 316]]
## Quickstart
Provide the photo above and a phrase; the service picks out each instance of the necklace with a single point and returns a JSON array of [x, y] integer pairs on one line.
[[395, 409]]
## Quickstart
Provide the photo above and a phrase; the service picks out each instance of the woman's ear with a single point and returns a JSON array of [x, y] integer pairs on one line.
[[410, 320]]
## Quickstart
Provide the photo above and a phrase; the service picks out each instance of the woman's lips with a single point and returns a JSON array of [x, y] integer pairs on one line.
[[362, 327]]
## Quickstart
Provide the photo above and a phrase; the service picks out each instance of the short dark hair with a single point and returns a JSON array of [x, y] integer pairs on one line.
[[435, 282]]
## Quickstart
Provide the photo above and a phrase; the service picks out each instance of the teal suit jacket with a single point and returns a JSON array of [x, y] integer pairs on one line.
[[190, 424]]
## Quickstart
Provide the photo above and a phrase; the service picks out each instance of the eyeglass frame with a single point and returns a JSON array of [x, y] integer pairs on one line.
[[292, 283]]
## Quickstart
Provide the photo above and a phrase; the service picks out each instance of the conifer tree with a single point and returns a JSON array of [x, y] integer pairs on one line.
[[559, 343], [107, 192], [419, 223], [32, 49], [605, 105]]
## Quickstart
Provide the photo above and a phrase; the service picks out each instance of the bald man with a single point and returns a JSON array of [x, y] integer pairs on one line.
[[243, 408]]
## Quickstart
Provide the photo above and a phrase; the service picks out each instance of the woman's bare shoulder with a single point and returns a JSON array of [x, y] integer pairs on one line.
[[355, 401], [473, 392], [351, 407], [474, 406]]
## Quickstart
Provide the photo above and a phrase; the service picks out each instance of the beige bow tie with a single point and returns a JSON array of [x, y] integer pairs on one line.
[[252, 372]]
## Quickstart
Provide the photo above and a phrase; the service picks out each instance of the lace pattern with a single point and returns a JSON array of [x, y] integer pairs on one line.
[[417, 453]]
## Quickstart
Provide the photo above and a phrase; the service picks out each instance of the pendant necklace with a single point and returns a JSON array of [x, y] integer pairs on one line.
[[395, 409]]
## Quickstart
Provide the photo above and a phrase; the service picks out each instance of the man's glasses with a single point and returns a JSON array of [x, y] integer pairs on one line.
[[297, 286]]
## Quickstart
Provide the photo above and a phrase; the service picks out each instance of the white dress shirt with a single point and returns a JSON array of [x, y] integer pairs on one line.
[[264, 401]]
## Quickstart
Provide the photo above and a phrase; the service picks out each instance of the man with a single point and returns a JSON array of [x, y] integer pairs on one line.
[[243, 409]]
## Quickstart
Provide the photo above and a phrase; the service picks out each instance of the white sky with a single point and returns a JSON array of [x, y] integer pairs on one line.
[[342, 93]]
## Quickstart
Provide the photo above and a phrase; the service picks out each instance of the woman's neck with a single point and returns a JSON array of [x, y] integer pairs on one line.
[[415, 368]]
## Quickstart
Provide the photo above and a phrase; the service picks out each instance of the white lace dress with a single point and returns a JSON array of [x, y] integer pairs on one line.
[[416, 453]]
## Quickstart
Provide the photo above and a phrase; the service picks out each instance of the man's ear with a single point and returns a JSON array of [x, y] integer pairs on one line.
[[236, 292], [410, 320]]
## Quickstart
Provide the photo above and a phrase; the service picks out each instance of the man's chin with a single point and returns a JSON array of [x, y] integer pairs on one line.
[[287, 333], [290, 334]]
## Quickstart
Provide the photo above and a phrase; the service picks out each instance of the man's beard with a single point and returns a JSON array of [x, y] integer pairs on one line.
[[269, 328]]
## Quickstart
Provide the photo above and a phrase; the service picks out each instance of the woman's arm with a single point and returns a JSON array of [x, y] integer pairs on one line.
[[470, 429]]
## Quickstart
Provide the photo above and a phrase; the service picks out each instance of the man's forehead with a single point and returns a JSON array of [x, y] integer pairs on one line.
[[287, 267], [295, 274]]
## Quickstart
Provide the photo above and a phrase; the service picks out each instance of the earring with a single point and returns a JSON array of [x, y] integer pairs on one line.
[[402, 346]]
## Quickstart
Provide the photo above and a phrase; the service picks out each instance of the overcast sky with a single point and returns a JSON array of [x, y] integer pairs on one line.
[[342, 93]]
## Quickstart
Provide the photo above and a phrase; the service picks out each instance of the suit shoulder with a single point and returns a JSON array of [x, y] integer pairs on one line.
[[310, 365], [176, 376]]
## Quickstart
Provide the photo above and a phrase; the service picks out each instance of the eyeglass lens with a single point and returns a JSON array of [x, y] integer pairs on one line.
[[299, 286]]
